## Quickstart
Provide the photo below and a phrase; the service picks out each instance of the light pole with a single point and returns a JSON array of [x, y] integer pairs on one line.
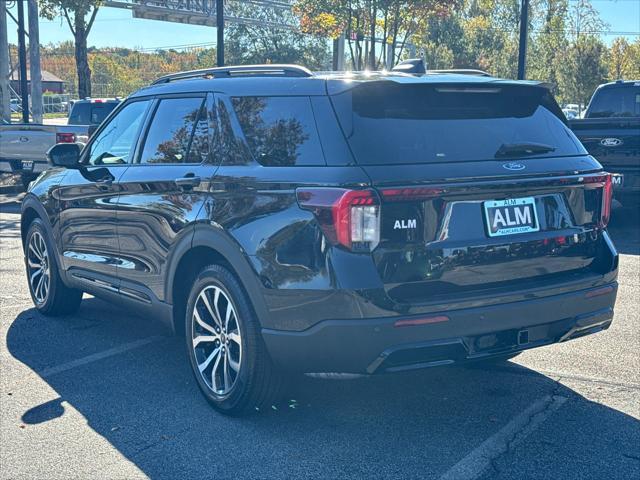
[[22, 54], [220, 31], [522, 48]]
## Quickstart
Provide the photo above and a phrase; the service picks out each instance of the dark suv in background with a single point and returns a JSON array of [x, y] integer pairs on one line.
[[363, 223]]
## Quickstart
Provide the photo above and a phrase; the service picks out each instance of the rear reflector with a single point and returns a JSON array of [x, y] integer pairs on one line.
[[599, 292], [421, 321], [65, 137]]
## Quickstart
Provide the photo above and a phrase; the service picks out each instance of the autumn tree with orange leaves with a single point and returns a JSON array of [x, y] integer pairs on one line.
[[366, 22]]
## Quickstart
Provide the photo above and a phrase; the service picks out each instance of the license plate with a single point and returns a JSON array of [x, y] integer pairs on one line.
[[511, 216], [27, 165]]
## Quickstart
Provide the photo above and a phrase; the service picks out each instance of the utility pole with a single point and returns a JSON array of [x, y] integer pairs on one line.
[[524, 33], [5, 95], [34, 63], [22, 58], [220, 31]]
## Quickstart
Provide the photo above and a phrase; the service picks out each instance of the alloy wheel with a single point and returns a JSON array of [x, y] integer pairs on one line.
[[216, 339], [38, 268]]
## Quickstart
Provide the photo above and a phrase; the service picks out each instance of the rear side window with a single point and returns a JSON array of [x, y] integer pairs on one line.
[[388, 123], [178, 132], [280, 131], [615, 102]]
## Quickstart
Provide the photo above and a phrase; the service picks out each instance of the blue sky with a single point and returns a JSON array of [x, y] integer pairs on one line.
[[116, 28]]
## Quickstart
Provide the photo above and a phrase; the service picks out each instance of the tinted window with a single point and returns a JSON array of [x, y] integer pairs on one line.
[[233, 151], [115, 142], [280, 131], [178, 123], [388, 123], [87, 113], [616, 102]]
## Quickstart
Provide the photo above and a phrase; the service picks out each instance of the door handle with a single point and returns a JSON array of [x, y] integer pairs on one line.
[[188, 181]]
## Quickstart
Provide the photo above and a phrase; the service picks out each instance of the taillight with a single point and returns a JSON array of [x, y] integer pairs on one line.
[[65, 137], [607, 198], [350, 218], [606, 180]]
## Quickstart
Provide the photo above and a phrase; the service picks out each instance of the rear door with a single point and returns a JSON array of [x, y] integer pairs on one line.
[[88, 199], [483, 188], [163, 191]]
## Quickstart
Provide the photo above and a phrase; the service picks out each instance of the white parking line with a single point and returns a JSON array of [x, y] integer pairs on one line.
[[47, 372], [476, 463]]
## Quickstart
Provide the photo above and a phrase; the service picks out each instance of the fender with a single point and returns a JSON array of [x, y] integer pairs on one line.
[[208, 235], [30, 201]]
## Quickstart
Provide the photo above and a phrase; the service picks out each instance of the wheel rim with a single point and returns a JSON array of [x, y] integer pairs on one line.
[[216, 339], [38, 266]]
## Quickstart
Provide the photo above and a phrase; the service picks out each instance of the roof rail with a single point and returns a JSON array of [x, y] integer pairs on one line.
[[463, 71], [274, 70]]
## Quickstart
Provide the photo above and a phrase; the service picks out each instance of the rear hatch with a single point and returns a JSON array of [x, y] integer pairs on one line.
[[482, 187]]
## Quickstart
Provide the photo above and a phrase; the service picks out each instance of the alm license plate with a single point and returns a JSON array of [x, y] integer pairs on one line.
[[511, 216], [27, 165]]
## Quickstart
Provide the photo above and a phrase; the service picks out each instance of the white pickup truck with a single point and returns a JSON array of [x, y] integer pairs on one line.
[[23, 146]]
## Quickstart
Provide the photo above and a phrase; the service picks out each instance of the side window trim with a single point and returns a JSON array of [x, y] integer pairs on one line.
[[150, 114], [203, 104], [142, 137], [86, 151], [235, 127]]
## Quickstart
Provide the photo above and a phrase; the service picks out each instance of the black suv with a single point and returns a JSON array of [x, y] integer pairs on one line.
[[365, 223]]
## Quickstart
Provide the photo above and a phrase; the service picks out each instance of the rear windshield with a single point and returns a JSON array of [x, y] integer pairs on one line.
[[615, 102], [90, 113], [388, 123]]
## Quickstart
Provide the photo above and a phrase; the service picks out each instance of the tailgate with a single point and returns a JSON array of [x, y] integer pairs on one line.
[[442, 237], [26, 142], [614, 142]]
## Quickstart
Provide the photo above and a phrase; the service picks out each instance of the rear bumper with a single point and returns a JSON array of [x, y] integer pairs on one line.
[[378, 345]]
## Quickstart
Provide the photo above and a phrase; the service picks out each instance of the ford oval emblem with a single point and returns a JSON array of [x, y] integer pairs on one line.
[[514, 167], [611, 142]]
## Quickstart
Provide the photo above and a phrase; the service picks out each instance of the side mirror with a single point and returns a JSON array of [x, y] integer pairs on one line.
[[64, 155]]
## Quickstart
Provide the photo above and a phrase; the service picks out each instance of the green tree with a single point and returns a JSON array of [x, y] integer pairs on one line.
[[363, 22], [250, 44], [546, 47], [80, 15], [583, 68]]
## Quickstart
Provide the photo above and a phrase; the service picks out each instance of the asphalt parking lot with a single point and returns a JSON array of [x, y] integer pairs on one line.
[[104, 394]]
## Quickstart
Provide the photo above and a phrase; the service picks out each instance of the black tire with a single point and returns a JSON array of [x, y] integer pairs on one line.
[[257, 384], [59, 299]]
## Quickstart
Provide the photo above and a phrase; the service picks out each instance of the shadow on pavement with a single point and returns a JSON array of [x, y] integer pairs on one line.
[[412, 425]]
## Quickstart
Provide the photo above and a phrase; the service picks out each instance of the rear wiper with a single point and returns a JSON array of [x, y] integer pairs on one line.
[[522, 149]]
